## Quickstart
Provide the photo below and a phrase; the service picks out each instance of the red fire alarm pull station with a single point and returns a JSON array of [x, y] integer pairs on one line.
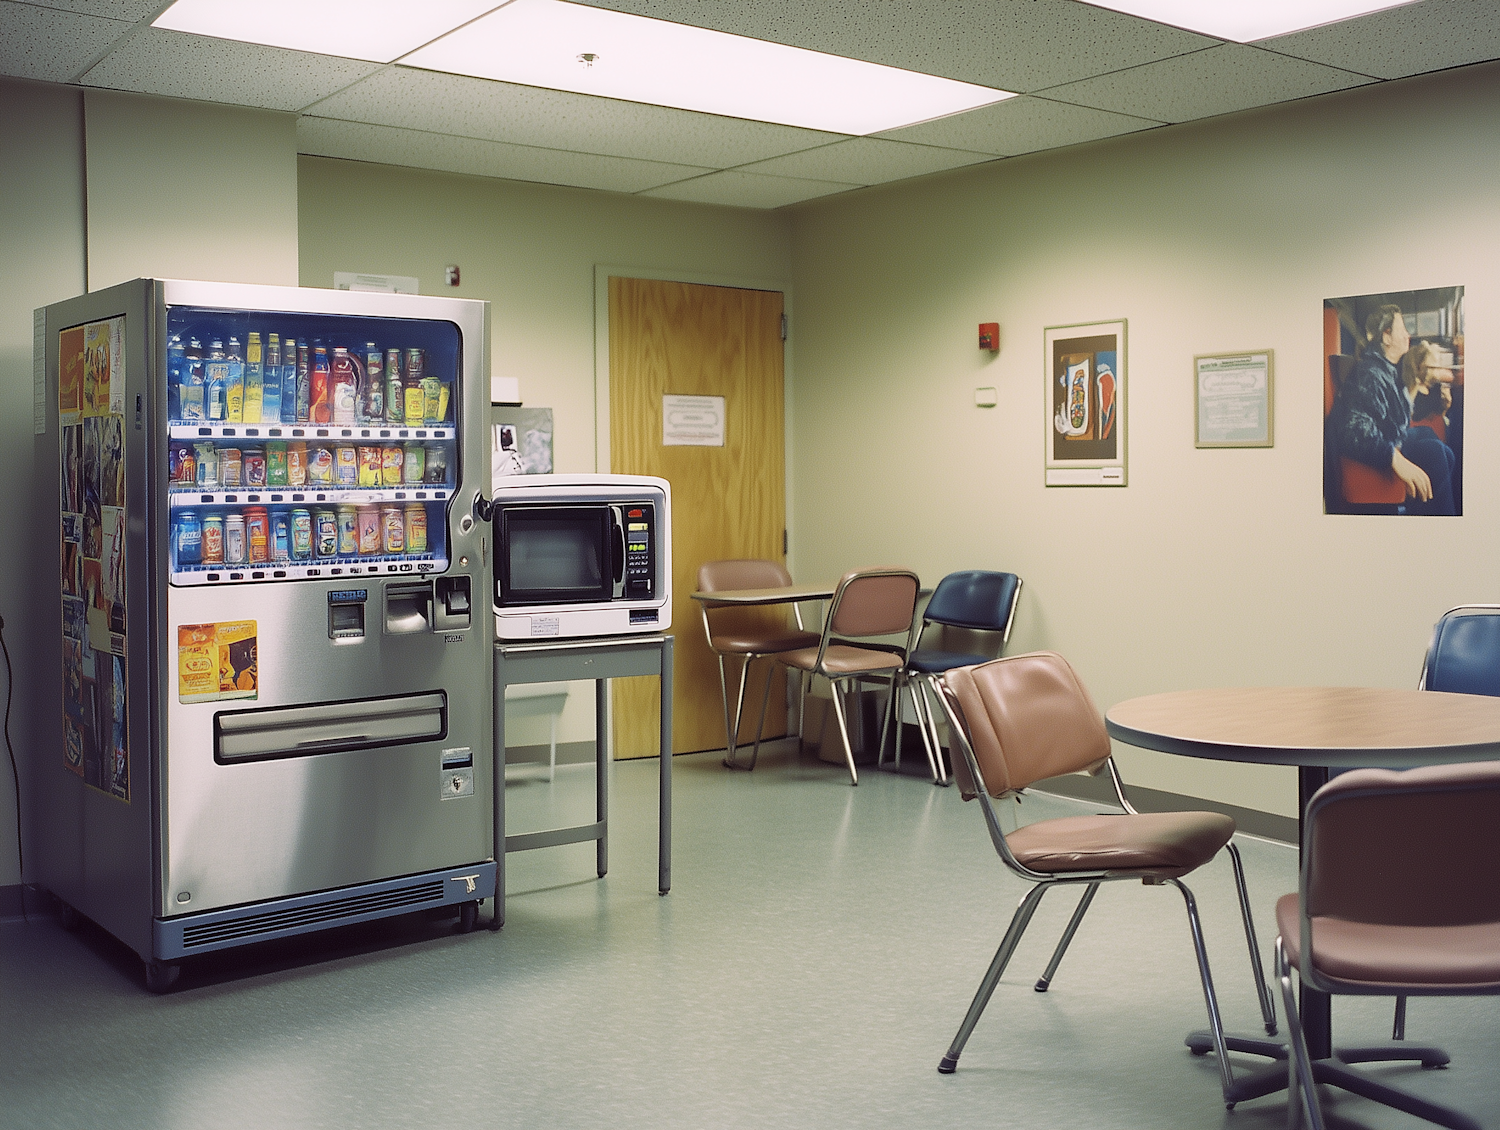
[[989, 336]]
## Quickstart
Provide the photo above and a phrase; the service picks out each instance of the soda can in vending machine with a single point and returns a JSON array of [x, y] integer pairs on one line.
[[187, 538], [276, 463], [208, 466], [343, 387], [183, 468], [369, 466], [325, 533], [437, 464], [230, 466], [281, 536], [213, 539], [254, 463], [302, 534], [368, 518], [234, 539], [416, 369], [392, 458], [348, 531], [416, 528], [415, 461], [392, 530], [257, 535], [296, 463], [346, 465]]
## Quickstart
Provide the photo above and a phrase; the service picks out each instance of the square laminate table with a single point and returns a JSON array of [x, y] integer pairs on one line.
[[1315, 729]]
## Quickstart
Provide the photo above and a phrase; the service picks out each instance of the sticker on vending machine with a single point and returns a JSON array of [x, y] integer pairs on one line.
[[217, 661]]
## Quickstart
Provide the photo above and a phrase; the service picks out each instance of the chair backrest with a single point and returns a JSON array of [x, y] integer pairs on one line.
[[878, 601], [975, 599], [1414, 847], [1028, 717], [745, 573], [1464, 655]]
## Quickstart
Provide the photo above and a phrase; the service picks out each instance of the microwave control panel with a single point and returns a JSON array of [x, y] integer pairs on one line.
[[640, 539]]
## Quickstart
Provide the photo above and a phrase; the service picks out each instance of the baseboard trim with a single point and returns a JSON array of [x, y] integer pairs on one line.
[[568, 753], [1098, 789]]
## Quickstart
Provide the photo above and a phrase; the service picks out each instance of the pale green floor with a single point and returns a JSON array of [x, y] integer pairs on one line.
[[816, 953]]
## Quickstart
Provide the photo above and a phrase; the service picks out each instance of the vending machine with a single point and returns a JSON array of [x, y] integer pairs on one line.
[[273, 615]]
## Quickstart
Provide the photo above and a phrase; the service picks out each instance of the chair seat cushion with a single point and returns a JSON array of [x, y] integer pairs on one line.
[[840, 659], [762, 643], [936, 662], [1156, 845], [1363, 956]]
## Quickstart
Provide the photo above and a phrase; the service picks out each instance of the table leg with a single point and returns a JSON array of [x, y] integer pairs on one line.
[[664, 800], [601, 774]]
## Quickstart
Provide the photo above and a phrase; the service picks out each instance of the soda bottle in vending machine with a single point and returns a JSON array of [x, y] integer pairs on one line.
[[319, 407], [304, 382], [289, 381], [192, 401], [216, 381], [234, 385], [343, 387], [395, 406], [373, 408], [270, 410], [255, 373]]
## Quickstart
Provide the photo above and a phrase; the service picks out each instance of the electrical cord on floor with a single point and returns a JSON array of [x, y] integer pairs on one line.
[[15, 773]]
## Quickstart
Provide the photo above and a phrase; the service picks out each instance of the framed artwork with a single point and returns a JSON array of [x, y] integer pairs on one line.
[[1232, 399], [1086, 401], [1394, 403]]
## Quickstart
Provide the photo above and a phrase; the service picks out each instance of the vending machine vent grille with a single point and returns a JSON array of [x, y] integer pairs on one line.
[[318, 915]]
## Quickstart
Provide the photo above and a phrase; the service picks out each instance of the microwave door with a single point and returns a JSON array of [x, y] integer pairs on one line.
[[554, 555]]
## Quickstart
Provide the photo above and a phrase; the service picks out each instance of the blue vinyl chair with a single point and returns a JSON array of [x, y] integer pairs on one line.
[[974, 601], [1463, 658]]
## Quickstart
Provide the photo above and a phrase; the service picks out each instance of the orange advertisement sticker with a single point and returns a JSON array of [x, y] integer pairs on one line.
[[217, 661]]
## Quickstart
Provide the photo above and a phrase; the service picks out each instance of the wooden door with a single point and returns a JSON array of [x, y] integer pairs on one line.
[[671, 338]]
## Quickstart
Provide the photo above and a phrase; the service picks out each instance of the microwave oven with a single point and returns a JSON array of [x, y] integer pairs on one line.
[[581, 555]]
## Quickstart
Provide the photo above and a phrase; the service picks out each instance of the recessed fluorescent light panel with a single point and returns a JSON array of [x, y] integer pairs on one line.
[[564, 46], [375, 30], [1245, 21]]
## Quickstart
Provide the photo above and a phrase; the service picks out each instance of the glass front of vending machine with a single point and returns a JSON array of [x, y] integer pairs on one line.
[[316, 688]]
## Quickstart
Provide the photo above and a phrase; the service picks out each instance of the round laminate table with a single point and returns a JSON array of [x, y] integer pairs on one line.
[[1315, 729]]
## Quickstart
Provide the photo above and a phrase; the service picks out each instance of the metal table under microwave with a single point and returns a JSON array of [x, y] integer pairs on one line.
[[599, 659]]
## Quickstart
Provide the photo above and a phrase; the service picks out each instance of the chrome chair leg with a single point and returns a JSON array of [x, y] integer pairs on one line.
[[1398, 1022], [1215, 1022], [728, 726], [1299, 1067], [914, 688], [732, 729], [1262, 990], [925, 684], [838, 710], [760, 726], [1018, 923], [1062, 946]]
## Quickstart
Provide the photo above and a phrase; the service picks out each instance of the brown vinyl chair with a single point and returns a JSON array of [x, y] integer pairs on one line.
[[1024, 718], [869, 603], [1397, 897], [746, 634]]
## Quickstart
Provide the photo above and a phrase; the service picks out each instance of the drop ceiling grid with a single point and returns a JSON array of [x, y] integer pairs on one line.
[[552, 119], [1087, 73], [50, 45], [327, 137]]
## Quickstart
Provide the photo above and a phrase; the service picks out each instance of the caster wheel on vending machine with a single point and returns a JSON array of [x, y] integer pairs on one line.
[[468, 917], [161, 975]]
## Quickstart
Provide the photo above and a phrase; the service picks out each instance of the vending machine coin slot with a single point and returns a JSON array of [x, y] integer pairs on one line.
[[451, 609], [408, 607], [346, 614]]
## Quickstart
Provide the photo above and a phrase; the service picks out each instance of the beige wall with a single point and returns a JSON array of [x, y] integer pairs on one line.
[[1212, 566], [530, 250], [189, 190]]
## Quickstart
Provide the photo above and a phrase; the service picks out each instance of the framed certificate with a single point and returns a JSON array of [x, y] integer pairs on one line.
[[1232, 399]]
